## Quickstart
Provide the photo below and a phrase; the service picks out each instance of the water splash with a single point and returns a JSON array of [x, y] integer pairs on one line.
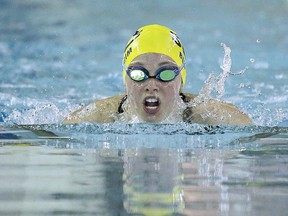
[[216, 84], [120, 136], [41, 113]]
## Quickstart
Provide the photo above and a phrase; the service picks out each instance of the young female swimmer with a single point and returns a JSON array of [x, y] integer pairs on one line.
[[154, 74]]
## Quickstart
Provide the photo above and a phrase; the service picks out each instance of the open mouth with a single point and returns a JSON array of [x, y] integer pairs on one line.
[[151, 105]]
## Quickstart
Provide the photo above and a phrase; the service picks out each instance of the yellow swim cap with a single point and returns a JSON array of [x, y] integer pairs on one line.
[[155, 39]]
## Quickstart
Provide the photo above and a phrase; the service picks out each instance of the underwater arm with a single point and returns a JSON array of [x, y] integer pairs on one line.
[[101, 111]]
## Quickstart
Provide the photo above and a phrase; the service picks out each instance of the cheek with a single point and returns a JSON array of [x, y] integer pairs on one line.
[[132, 90], [171, 92], [174, 87]]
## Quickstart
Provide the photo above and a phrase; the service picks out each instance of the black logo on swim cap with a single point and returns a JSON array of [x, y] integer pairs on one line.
[[134, 37], [175, 38], [181, 56], [127, 53]]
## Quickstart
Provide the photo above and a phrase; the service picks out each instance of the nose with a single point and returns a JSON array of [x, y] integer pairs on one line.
[[152, 85]]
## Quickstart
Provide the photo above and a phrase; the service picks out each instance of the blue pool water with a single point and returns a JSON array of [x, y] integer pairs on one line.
[[56, 56]]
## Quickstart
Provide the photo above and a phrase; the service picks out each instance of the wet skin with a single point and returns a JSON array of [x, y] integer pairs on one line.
[[152, 100]]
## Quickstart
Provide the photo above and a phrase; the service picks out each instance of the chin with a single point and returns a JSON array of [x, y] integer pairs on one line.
[[152, 118]]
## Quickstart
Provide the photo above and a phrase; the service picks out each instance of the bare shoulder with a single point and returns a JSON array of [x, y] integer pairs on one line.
[[214, 112], [101, 111], [188, 97]]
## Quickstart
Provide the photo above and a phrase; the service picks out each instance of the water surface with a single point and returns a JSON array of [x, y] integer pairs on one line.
[[56, 56]]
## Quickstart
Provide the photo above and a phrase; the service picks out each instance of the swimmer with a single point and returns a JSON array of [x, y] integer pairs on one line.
[[154, 74]]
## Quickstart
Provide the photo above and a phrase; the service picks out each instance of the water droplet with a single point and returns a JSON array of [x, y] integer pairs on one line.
[[242, 85], [252, 60], [279, 76]]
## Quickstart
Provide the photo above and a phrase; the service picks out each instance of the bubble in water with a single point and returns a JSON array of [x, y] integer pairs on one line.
[[252, 60]]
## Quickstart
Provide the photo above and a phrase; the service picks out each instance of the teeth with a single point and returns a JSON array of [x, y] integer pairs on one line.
[[151, 100], [151, 107]]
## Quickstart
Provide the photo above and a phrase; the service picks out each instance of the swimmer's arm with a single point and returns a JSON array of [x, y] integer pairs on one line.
[[215, 112], [101, 111]]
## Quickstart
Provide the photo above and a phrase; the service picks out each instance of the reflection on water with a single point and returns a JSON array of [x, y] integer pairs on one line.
[[153, 182], [42, 180]]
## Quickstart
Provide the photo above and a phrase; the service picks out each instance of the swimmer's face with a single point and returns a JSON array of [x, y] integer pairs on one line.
[[152, 100]]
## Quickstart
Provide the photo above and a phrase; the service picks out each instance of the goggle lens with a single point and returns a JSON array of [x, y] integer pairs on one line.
[[164, 74], [167, 75], [137, 75]]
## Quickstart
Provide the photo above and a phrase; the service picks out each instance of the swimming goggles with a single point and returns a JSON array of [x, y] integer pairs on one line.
[[164, 74]]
